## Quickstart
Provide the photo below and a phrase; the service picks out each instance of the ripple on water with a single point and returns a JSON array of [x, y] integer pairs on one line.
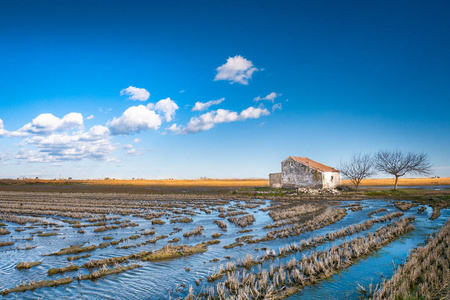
[[375, 268], [155, 280]]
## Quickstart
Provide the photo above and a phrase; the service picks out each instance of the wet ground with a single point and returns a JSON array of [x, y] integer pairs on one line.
[[164, 279]]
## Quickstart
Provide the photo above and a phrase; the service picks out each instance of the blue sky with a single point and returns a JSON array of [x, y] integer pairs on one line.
[[92, 89]]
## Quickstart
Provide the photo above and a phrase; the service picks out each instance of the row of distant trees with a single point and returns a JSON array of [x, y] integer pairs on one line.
[[397, 163]]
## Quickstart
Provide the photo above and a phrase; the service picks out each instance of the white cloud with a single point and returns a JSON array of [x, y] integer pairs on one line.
[[133, 152], [59, 147], [96, 132], [277, 106], [4, 158], [136, 140], [90, 117], [48, 123], [175, 128], [182, 91], [210, 119], [104, 110], [236, 70], [253, 113], [199, 106], [141, 118], [271, 97], [2, 128], [134, 120], [166, 106], [135, 93]]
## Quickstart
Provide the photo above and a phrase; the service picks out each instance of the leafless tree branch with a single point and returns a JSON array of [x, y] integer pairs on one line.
[[357, 168], [399, 163]]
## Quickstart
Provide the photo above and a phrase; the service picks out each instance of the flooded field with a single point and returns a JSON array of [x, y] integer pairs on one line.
[[137, 246]]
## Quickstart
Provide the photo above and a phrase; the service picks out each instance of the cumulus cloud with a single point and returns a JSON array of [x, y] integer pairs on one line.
[[175, 128], [236, 70], [133, 152], [90, 117], [210, 119], [271, 97], [141, 118], [253, 113], [276, 106], [135, 119], [59, 147], [48, 123], [166, 106], [2, 128], [199, 106], [96, 132], [134, 93]]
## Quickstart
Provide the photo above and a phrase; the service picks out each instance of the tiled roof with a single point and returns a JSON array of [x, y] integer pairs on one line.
[[313, 164]]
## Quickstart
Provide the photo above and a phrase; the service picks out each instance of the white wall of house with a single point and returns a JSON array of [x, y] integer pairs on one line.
[[331, 180]]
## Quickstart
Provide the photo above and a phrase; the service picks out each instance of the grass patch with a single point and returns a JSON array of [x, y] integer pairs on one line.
[[75, 249], [3, 231], [63, 270], [2, 244], [105, 272], [158, 222], [28, 265], [171, 252], [47, 234], [72, 258], [36, 285]]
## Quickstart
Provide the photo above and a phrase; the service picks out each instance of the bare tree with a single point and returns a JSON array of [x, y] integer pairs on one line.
[[398, 163], [357, 168]]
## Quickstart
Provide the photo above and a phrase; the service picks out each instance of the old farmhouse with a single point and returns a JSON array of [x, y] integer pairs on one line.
[[299, 172]]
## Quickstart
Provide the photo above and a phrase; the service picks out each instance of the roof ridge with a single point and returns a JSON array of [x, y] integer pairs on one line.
[[313, 164]]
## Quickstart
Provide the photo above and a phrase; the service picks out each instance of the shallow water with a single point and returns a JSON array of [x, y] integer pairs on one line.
[[376, 267], [169, 279]]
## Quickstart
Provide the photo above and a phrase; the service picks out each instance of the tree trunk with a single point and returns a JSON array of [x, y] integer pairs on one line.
[[357, 184], [396, 181]]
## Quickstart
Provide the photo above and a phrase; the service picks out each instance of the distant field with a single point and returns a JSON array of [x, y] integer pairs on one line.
[[401, 181], [219, 183], [187, 183], [152, 183]]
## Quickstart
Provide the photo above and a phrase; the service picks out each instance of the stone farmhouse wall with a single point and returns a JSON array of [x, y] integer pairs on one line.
[[298, 175], [275, 180], [295, 174]]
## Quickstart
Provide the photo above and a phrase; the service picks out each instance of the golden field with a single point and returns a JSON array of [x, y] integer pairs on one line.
[[238, 183], [401, 181], [151, 183], [185, 182]]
